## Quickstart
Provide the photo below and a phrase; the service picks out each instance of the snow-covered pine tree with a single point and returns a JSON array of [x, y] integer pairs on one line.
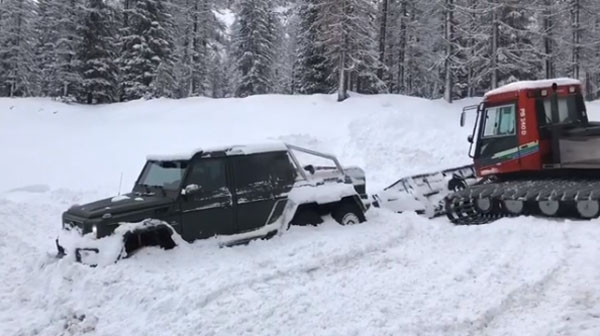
[[199, 45], [518, 58], [44, 48], [449, 9], [285, 54], [351, 44], [97, 53], [67, 16], [147, 58], [253, 47], [312, 71], [394, 39], [16, 52], [584, 43]]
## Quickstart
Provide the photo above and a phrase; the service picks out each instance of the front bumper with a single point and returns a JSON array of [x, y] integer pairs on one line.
[[87, 250]]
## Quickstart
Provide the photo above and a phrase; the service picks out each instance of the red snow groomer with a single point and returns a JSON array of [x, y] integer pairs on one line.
[[535, 153]]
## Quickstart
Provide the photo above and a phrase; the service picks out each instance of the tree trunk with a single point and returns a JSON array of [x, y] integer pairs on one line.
[[447, 61], [576, 37], [343, 80], [382, 37], [402, 49], [548, 37], [494, 51], [342, 94]]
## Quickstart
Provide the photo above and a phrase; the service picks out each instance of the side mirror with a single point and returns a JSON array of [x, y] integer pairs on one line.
[[463, 116], [470, 138], [190, 189]]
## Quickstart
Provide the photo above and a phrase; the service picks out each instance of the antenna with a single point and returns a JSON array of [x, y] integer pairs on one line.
[[120, 183]]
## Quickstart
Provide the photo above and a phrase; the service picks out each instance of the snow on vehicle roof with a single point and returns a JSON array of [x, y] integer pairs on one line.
[[246, 149], [536, 84]]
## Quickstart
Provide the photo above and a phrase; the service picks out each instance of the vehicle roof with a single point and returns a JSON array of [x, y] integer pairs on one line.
[[247, 149], [535, 84]]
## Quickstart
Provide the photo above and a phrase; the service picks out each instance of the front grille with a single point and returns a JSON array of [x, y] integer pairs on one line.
[[72, 223]]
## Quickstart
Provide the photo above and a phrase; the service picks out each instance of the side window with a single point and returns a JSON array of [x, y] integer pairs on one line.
[[263, 174], [209, 175], [283, 173], [499, 121]]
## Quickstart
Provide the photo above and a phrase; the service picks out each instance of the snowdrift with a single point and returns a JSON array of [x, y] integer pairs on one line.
[[395, 275]]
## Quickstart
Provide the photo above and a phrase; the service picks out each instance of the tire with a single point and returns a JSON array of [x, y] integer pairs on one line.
[[348, 214], [160, 237], [306, 216]]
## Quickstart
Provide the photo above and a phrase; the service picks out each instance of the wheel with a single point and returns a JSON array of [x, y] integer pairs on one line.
[[348, 214], [483, 204], [549, 208], [588, 209], [514, 207]]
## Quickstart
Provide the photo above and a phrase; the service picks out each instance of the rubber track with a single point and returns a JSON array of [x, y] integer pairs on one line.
[[461, 209]]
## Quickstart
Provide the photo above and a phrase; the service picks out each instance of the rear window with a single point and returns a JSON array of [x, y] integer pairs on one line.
[[570, 109]]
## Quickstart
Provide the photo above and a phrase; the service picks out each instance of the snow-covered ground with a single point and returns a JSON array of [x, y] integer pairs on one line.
[[395, 275]]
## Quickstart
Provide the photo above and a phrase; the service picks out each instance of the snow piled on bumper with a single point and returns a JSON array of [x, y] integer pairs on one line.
[[106, 250]]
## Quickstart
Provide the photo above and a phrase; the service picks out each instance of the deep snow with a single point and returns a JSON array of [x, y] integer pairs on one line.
[[395, 275]]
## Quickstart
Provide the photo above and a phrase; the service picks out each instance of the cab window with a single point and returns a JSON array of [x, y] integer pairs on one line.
[[499, 121]]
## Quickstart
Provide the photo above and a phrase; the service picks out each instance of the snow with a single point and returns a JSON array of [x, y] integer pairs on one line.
[[227, 18], [537, 84], [119, 198], [394, 275], [245, 149]]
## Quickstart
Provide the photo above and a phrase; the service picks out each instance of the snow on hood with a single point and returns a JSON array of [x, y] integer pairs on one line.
[[537, 84]]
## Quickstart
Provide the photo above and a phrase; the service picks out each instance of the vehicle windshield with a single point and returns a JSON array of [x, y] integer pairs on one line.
[[571, 110], [163, 174]]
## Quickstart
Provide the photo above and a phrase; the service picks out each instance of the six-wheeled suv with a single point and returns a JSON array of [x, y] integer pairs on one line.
[[237, 194]]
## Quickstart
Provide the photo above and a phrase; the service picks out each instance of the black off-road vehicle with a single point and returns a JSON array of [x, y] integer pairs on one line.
[[237, 193]]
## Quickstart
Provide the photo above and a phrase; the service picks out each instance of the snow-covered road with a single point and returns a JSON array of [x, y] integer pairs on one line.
[[395, 275]]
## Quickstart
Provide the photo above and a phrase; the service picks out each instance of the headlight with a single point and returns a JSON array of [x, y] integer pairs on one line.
[[95, 230]]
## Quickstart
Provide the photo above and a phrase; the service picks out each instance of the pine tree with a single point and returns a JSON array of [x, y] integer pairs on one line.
[[16, 53], [67, 16], [147, 60], [45, 48], [97, 54], [199, 47], [312, 71], [351, 44], [253, 40]]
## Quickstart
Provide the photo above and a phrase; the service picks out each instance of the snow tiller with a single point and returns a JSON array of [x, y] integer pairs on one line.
[[534, 152]]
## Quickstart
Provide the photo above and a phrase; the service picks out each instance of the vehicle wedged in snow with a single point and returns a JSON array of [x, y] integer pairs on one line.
[[237, 194]]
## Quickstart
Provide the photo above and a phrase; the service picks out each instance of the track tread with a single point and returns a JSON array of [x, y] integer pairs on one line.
[[461, 206]]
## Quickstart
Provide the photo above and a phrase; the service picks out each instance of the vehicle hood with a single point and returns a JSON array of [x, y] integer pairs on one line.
[[119, 204]]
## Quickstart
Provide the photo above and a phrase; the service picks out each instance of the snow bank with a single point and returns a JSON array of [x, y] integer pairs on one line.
[[395, 275]]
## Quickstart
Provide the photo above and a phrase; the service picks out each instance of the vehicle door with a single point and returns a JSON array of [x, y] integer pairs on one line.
[[206, 200], [498, 140], [261, 180]]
